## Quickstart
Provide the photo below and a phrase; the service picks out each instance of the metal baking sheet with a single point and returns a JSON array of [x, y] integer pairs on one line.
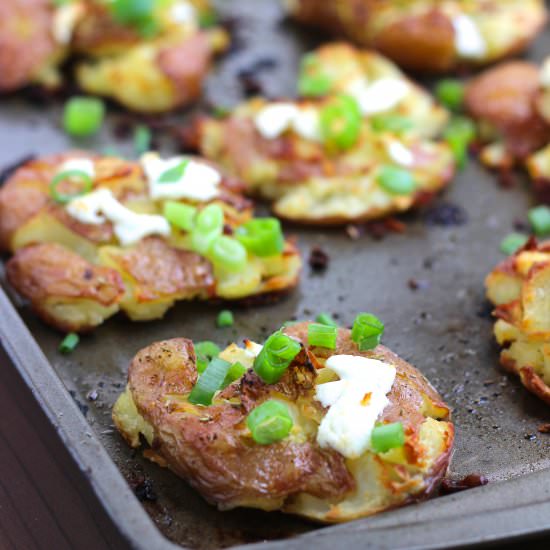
[[442, 326]]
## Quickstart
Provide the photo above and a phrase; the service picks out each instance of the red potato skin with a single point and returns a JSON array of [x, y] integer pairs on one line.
[[211, 450]]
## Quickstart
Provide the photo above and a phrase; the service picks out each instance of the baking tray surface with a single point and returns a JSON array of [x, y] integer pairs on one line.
[[426, 284]]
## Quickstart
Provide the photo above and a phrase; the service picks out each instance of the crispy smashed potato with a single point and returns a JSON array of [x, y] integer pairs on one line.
[[519, 287], [154, 71], [312, 183], [430, 35], [212, 448], [77, 274]]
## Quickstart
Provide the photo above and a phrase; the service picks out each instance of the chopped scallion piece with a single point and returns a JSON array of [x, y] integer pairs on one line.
[[391, 123], [207, 19], [269, 422], [395, 180], [69, 343], [512, 243], [227, 254], [275, 357], [312, 82], [225, 319], [385, 437], [326, 319], [262, 237], [323, 336], [539, 218], [78, 177], [209, 382], [205, 352], [460, 132], [450, 93], [136, 13], [235, 372], [180, 215], [367, 331], [83, 116], [341, 122], [173, 175], [208, 227], [142, 139]]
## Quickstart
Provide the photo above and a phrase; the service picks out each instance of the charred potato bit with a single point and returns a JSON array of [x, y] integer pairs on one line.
[[430, 35], [519, 287], [212, 449], [311, 182], [77, 274]]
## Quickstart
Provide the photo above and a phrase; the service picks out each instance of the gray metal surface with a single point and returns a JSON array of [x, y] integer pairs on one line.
[[442, 328]]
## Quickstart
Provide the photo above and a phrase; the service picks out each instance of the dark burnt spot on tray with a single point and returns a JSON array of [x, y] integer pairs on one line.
[[530, 437], [418, 284], [446, 214], [143, 489], [485, 311], [92, 395], [449, 486], [7, 171], [83, 408], [318, 259], [249, 76]]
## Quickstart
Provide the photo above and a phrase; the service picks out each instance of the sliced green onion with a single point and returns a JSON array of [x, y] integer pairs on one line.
[[228, 254], [235, 372], [75, 176], [385, 437], [225, 319], [539, 218], [69, 343], [367, 331], [179, 214], [395, 180], [326, 319], [323, 336], [209, 382], [136, 13], [83, 116], [207, 19], [262, 237], [450, 93], [460, 132], [275, 357], [205, 352], [172, 175], [208, 227], [142, 139], [312, 82], [269, 422], [341, 122], [391, 123], [512, 243]]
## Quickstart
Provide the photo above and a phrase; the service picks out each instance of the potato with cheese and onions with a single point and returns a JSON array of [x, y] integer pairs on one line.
[[321, 422], [93, 235], [519, 287], [151, 56], [434, 36], [358, 147]]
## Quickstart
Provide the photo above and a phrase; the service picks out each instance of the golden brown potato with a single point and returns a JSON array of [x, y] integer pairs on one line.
[[64, 289], [212, 449], [154, 271], [519, 287], [312, 182], [429, 35]]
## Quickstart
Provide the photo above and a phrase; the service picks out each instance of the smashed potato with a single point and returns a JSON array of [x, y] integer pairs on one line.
[[211, 447], [519, 287], [309, 180], [76, 274], [430, 35]]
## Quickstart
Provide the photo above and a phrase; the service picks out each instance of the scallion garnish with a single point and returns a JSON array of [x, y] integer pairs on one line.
[[174, 174], [208, 227], [136, 13], [225, 319], [341, 121], [142, 139], [235, 372], [391, 123], [275, 357], [83, 116], [69, 343], [539, 218], [512, 243], [312, 82], [227, 254], [395, 180], [459, 134], [385, 437], [263, 236], [269, 422], [323, 336], [367, 331], [77, 177], [450, 93], [205, 352], [209, 382], [326, 319], [180, 215]]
